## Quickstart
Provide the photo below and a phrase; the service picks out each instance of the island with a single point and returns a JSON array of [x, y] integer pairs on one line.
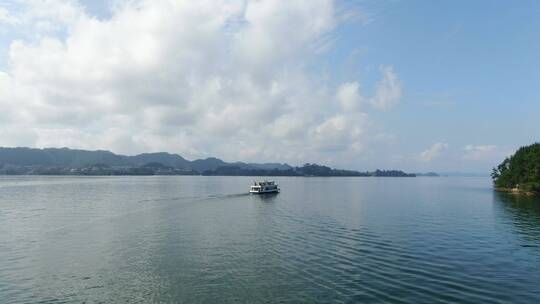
[[519, 173], [305, 170], [65, 161]]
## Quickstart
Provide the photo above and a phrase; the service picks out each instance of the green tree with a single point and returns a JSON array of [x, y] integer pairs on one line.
[[521, 170]]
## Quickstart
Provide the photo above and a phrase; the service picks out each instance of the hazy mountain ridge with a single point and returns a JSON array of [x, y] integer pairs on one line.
[[167, 159], [65, 161], [75, 158], [22, 156]]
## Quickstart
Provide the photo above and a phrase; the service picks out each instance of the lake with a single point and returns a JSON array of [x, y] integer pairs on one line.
[[194, 239]]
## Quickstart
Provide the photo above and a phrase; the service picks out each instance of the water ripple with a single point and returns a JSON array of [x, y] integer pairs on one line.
[[204, 240]]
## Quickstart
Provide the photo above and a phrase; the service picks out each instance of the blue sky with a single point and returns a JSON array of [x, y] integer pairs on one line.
[[470, 70], [412, 85]]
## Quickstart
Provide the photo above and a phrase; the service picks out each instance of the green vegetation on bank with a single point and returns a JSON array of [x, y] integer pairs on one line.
[[519, 172], [305, 170]]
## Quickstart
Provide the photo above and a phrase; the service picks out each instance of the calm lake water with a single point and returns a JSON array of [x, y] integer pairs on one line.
[[322, 240]]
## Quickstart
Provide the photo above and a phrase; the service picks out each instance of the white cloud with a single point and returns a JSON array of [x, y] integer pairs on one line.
[[388, 91], [210, 77], [36, 17], [479, 152], [5, 17], [433, 152], [349, 97]]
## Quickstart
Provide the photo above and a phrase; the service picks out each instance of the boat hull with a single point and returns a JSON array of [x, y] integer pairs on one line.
[[264, 191]]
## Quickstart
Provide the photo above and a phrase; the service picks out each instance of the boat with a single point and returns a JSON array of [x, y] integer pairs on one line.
[[264, 187]]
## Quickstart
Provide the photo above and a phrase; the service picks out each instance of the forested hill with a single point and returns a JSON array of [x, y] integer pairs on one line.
[[305, 170], [520, 172], [73, 158], [65, 161]]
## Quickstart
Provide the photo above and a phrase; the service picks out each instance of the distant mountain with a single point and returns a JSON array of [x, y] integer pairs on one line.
[[270, 166], [463, 174], [58, 157], [65, 161], [167, 159], [210, 163], [305, 170], [65, 157], [430, 174]]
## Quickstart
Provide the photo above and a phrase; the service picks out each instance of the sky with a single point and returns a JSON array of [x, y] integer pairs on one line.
[[390, 84]]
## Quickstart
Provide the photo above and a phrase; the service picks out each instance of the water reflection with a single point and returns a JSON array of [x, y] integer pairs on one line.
[[266, 197], [206, 240], [523, 212]]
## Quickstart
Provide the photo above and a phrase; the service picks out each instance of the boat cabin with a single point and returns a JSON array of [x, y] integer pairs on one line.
[[264, 187]]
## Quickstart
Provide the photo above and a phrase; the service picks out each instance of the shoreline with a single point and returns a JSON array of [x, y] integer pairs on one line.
[[516, 191]]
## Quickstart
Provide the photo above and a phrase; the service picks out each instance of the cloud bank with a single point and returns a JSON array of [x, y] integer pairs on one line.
[[433, 152], [227, 78]]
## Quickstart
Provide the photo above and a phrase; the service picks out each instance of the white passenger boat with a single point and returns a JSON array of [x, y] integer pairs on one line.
[[264, 187]]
